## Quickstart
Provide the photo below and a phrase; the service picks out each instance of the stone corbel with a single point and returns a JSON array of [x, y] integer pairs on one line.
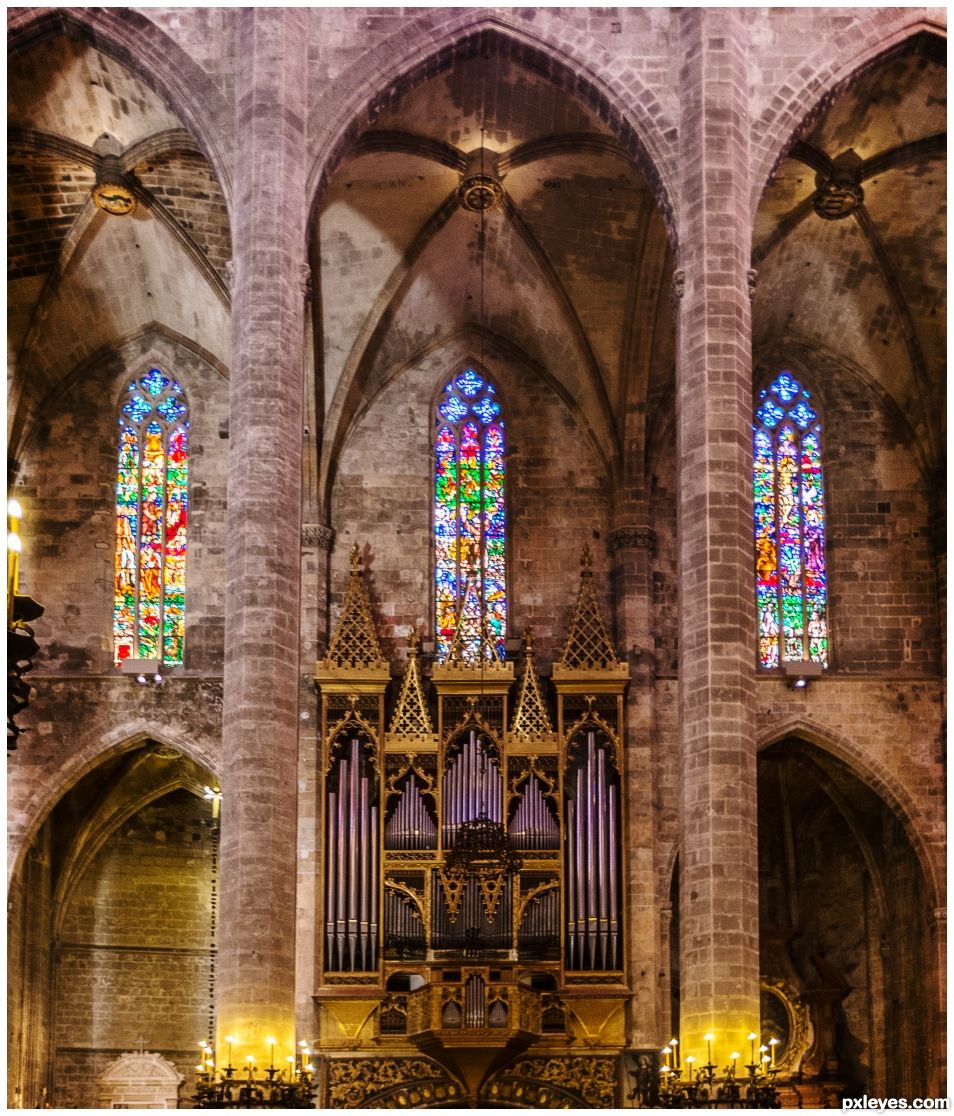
[[678, 290], [751, 278], [317, 535], [634, 538]]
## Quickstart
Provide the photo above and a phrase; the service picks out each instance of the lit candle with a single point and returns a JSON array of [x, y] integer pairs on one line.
[[752, 1037], [229, 1039], [250, 1058], [668, 1052], [773, 1043], [271, 1053], [735, 1057], [689, 1060], [674, 1043], [708, 1039]]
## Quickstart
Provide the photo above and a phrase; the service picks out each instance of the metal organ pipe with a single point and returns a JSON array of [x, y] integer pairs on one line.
[[613, 881], [352, 856], [330, 886], [472, 788], [410, 825], [363, 896], [571, 884], [592, 860], [590, 838], [533, 826], [351, 887], [602, 883], [341, 839]]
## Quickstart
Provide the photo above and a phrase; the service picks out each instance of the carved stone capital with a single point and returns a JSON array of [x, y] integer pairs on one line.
[[304, 279], [317, 535], [230, 275], [634, 538]]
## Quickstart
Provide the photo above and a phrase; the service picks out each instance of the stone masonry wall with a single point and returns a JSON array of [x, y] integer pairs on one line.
[[556, 491], [67, 488]]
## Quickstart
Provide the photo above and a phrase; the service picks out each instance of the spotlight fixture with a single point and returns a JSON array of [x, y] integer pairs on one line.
[[798, 674], [145, 670]]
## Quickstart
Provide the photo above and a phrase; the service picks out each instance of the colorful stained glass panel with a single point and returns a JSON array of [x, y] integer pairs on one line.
[[469, 515], [790, 572], [152, 497]]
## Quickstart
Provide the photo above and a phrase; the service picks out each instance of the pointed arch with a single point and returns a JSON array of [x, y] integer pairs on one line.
[[43, 793], [859, 758], [882, 33], [646, 131], [148, 52]]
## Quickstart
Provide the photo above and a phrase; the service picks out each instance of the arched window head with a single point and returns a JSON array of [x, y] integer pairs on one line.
[[152, 500], [470, 570], [791, 583]]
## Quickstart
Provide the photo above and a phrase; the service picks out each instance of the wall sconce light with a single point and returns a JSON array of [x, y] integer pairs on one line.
[[798, 674]]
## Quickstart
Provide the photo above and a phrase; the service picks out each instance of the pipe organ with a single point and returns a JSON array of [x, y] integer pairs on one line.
[[471, 880], [351, 892]]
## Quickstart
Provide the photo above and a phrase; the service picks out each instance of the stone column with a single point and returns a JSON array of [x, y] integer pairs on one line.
[[719, 914], [255, 986], [633, 548]]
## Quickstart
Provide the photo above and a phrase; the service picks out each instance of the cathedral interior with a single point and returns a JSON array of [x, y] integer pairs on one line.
[[476, 557]]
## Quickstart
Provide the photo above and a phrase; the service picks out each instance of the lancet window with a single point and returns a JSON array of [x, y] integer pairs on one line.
[[469, 515], [152, 501], [791, 579]]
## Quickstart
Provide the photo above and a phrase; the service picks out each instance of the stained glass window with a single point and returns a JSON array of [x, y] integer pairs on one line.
[[469, 516], [152, 501], [791, 583]]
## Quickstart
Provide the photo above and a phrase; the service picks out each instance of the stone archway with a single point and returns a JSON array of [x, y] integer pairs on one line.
[[845, 921]]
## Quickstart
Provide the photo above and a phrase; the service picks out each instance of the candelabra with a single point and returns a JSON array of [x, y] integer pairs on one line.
[[272, 1088], [705, 1089]]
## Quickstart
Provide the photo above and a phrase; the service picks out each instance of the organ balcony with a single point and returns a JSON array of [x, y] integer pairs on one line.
[[474, 1012]]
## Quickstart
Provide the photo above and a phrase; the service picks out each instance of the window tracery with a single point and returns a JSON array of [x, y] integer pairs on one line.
[[791, 579], [469, 516], [152, 500]]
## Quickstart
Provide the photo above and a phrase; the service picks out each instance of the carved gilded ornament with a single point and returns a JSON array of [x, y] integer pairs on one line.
[[395, 776], [352, 722], [114, 198], [574, 739], [530, 717], [411, 716], [357, 1082], [350, 1015], [594, 1016], [354, 646], [588, 648]]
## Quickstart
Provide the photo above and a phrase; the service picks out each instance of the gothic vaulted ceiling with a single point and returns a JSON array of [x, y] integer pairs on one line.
[[850, 237], [81, 280], [848, 241], [574, 256]]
